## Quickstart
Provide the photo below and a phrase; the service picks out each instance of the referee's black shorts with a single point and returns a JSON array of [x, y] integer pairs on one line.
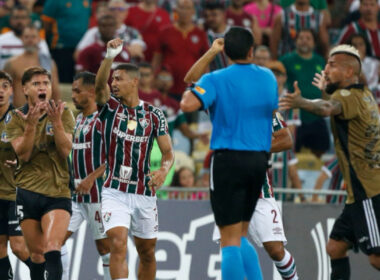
[[236, 179]]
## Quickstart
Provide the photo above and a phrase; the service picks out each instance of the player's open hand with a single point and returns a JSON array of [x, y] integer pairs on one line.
[[218, 45], [114, 47], [54, 111], [157, 179], [85, 185], [33, 115], [319, 81], [291, 100]]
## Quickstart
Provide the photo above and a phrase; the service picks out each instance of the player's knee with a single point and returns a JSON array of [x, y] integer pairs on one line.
[[374, 260], [146, 254], [335, 250], [37, 257], [17, 248], [276, 253], [118, 245]]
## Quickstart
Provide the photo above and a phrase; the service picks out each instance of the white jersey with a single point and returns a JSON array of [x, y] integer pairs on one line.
[[11, 45]]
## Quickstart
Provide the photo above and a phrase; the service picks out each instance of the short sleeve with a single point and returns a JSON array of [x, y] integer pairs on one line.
[[14, 126], [347, 99], [205, 91], [278, 122], [68, 121], [160, 125]]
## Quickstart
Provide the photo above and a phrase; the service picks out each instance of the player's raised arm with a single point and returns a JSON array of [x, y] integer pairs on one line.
[[114, 47]]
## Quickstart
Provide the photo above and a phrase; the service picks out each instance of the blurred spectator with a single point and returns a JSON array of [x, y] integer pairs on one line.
[[236, 15], [5, 8], [261, 55], [146, 91], [101, 8], [10, 42], [90, 58], [370, 65], [148, 18], [215, 21], [264, 11], [131, 36], [35, 18], [330, 171], [301, 66], [299, 15], [368, 25], [185, 178], [16, 65], [65, 23], [317, 4], [180, 46]]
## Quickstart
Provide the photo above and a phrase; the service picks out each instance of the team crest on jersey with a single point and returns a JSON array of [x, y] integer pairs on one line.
[[8, 118], [345, 92], [144, 123], [132, 124], [86, 129], [4, 137], [49, 129]]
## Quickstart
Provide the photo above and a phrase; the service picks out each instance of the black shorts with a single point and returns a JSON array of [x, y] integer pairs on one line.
[[314, 135], [358, 225], [9, 224], [236, 179], [32, 205]]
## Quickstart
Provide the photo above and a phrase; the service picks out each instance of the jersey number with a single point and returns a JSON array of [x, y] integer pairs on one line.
[[20, 212], [274, 212], [97, 217]]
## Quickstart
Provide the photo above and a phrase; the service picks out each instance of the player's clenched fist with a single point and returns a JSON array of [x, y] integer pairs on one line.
[[114, 47]]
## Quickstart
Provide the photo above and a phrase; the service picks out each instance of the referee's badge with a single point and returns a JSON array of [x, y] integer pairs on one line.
[[200, 90], [132, 124], [49, 129]]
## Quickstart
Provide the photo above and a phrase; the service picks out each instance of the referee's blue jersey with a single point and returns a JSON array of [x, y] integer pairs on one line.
[[241, 99]]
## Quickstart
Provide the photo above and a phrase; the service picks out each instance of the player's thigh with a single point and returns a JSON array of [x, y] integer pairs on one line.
[[266, 223], [116, 210], [76, 219], [93, 215], [145, 216]]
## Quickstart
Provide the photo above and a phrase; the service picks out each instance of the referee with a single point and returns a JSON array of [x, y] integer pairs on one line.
[[241, 99]]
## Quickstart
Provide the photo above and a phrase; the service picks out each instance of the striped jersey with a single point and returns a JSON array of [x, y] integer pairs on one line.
[[358, 27], [127, 137], [267, 189], [293, 21], [221, 59], [86, 156], [331, 169]]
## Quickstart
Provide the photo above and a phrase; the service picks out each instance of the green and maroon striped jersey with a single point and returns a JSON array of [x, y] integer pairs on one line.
[[267, 189], [127, 137], [87, 156]]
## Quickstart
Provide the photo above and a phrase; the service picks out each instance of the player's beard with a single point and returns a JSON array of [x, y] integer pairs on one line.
[[331, 88]]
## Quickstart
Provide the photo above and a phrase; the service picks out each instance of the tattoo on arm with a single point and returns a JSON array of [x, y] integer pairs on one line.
[[321, 107]]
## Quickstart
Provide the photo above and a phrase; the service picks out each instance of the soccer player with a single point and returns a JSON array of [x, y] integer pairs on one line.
[[88, 167], [241, 99], [356, 127], [9, 226], [40, 133], [128, 127]]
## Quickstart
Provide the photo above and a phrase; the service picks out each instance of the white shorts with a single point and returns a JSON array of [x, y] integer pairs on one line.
[[92, 213], [138, 213], [265, 225]]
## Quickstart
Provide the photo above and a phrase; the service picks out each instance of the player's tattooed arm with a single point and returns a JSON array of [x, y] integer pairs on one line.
[[158, 176], [114, 47], [319, 107]]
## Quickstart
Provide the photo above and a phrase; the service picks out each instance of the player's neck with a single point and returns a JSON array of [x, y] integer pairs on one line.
[[4, 109], [148, 7], [90, 109], [130, 100], [349, 82]]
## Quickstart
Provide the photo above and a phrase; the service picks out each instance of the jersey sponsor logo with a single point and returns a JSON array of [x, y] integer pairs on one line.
[[125, 172], [49, 129], [345, 92], [132, 124], [144, 123], [126, 181], [4, 137], [128, 137], [81, 146], [8, 118]]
